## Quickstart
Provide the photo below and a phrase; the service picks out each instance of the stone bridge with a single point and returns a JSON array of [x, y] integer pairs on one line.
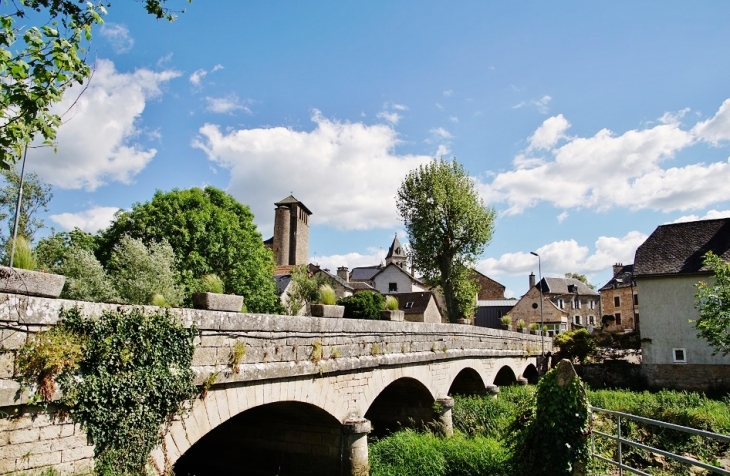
[[302, 400]]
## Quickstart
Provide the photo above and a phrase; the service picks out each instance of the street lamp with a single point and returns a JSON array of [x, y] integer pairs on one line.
[[542, 324]]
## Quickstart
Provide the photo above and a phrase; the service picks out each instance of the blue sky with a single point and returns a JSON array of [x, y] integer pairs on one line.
[[585, 124]]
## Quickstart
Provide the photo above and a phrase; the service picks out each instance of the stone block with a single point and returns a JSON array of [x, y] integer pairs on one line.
[[13, 339], [25, 436]]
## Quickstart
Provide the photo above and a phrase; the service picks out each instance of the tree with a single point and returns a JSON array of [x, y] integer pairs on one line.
[[36, 196], [582, 278], [86, 278], [713, 304], [363, 305], [210, 232], [449, 227], [38, 63], [52, 251], [304, 288]]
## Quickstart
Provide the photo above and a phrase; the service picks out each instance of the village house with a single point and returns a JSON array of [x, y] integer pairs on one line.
[[567, 304], [667, 268], [620, 300], [419, 307]]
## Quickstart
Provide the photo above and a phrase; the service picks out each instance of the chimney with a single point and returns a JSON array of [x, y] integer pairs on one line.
[[532, 280], [343, 273], [617, 269]]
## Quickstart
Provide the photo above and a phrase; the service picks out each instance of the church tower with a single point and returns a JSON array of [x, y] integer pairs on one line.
[[396, 254], [291, 232]]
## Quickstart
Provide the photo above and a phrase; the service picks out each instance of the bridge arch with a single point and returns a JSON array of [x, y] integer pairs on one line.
[[531, 374], [505, 376], [467, 382], [404, 403]]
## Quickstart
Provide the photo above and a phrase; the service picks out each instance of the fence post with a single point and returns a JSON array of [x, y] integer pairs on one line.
[[620, 455]]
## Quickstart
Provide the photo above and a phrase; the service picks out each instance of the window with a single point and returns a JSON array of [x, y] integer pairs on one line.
[[679, 356], [592, 320], [576, 303], [616, 301], [577, 320], [409, 305], [561, 303], [592, 304], [636, 299], [618, 318], [393, 287]]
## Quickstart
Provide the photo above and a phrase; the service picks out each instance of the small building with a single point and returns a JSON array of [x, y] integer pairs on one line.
[[489, 289], [667, 268], [620, 300], [290, 243], [419, 307], [490, 311]]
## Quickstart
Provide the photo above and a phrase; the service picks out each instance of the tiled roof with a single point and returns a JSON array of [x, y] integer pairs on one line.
[[622, 279], [560, 286], [496, 302], [337, 279], [286, 269], [290, 200], [412, 278], [364, 273], [419, 302], [361, 286], [396, 249], [679, 248]]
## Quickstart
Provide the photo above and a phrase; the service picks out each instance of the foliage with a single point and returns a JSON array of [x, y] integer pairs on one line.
[[506, 320], [606, 318], [408, 453], [551, 438], [682, 408], [449, 227], [52, 251], [521, 324], [212, 283], [490, 417], [618, 340], [303, 289], [579, 344], [24, 257], [86, 279], [363, 305], [38, 63], [238, 352], [534, 326], [391, 303], [210, 232], [327, 295], [36, 196], [582, 278], [134, 374], [466, 288], [139, 272], [713, 303], [159, 300], [46, 356]]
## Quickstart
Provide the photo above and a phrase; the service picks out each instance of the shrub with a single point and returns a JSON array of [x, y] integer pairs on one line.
[[86, 279], [578, 344], [139, 272], [521, 324], [212, 283], [24, 257], [391, 303], [490, 417], [327, 295], [364, 305], [534, 326], [506, 320]]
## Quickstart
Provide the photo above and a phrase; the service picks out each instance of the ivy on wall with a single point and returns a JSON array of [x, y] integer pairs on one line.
[[129, 377]]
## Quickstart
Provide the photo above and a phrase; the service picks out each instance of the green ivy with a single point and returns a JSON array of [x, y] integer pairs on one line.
[[134, 373], [550, 439]]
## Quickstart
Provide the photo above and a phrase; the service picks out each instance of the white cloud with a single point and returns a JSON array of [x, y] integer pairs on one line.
[[225, 105], [541, 104], [454, 119], [197, 76], [717, 128], [217, 67], [442, 150], [710, 215], [96, 142], [164, 60], [118, 36], [562, 216], [440, 133], [346, 173], [549, 133], [392, 117], [448, 93], [350, 260], [91, 220], [399, 107], [560, 257]]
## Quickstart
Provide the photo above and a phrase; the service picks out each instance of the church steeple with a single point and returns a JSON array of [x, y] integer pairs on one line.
[[396, 254]]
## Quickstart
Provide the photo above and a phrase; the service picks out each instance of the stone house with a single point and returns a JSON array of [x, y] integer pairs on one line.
[[667, 268], [419, 307], [568, 304], [489, 289], [620, 300]]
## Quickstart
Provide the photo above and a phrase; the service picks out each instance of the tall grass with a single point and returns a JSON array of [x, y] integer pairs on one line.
[[24, 257], [489, 416], [391, 303], [327, 295]]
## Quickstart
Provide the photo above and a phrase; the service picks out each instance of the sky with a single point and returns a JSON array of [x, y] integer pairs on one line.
[[584, 124]]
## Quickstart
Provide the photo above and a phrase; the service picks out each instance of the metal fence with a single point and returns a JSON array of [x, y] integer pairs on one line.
[[622, 441]]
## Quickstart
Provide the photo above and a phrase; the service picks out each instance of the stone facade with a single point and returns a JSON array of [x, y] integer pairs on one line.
[[356, 363], [620, 299], [528, 309], [489, 289], [290, 243]]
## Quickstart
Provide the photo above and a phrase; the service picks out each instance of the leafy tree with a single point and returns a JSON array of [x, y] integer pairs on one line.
[[582, 278], [713, 304], [363, 305], [304, 288], [36, 196], [38, 63], [52, 251], [210, 232], [578, 344], [86, 279], [449, 227]]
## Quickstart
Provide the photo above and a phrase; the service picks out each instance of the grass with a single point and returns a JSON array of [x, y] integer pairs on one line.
[[391, 303], [238, 352], [212, 283], [24, 257], [327, 295]]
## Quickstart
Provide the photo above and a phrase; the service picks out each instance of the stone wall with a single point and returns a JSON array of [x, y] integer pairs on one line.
[[714, 379]]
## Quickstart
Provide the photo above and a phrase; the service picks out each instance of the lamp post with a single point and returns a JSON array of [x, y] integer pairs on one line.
[[542, 331]]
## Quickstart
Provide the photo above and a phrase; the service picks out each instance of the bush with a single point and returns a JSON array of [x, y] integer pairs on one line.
[[327, 295], [391, 303], [86, 279], [212, 283], [579, 344], [491, 417], [364, 305]]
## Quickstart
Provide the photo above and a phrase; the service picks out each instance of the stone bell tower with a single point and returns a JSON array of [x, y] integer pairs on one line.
[[291, 232]]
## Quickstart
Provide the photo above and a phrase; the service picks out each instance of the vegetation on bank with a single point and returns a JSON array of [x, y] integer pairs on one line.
[[482, 425]]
